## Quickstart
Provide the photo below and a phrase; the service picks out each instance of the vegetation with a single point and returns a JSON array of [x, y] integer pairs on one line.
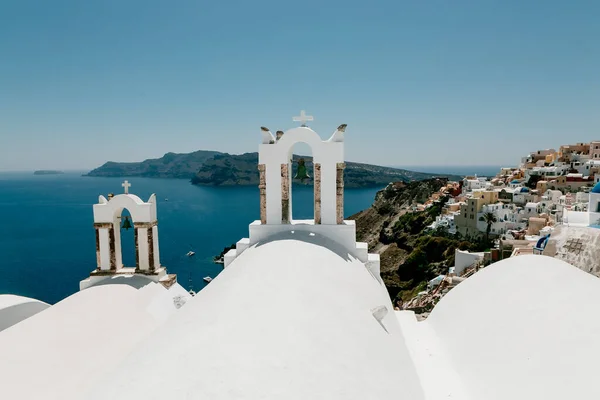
[[219, 258], [490, 219], [411, 254]]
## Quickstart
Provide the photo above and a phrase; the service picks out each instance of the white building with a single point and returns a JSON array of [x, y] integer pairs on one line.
[[531, 210], [573, 215], [445, 221], [508, 216], [300, 312], [56, 352], [476, 183]]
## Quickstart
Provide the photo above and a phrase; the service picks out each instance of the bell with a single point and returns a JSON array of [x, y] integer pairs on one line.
[[126, 224], [301, 173]]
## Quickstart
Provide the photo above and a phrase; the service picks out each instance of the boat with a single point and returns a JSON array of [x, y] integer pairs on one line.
[[207, 279], [190, 253]]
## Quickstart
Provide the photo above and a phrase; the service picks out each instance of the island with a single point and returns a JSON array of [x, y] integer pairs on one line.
[[47, 172], [212, 168]]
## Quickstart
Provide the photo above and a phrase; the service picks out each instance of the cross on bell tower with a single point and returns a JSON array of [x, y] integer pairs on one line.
[[303, 118], [126, 185]]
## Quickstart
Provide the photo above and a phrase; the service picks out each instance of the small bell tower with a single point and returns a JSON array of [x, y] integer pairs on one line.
[[108, 224]]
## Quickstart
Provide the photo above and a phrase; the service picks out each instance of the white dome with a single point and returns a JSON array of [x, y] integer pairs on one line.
[[526, 327]]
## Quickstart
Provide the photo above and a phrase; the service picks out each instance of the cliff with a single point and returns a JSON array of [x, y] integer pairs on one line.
[[222, 169], [411, 255], [228, 169], [171, 165]]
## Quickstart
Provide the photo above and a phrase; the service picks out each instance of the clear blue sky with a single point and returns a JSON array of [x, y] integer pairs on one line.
[[418, 82]]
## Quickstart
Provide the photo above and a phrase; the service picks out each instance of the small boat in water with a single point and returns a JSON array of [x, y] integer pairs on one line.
[[190, 253], [207, 279]]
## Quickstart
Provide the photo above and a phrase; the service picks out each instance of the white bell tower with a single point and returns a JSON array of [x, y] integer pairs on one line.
[[276, 174], [275, 179], [109, 258]]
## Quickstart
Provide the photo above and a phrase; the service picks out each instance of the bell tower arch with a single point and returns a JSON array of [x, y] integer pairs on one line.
[[108, 224], [275, 201], [276, 176]]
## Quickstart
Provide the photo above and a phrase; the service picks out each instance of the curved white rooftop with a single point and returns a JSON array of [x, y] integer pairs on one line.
[[288, 319], [57, 353], [14, 309], [524, 328]]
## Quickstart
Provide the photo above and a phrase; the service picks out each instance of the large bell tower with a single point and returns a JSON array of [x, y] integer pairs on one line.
[[275, 179]]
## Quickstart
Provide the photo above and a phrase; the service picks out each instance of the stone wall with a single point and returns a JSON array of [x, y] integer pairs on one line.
[[579, 246]]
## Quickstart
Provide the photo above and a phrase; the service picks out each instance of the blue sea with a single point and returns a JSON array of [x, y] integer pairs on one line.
[[47, 239]]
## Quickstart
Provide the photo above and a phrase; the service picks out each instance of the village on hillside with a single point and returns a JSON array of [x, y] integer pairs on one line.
[[549, 204]]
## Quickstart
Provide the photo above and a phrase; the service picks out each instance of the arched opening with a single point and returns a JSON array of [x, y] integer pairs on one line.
[[302, 179], [125, 238]]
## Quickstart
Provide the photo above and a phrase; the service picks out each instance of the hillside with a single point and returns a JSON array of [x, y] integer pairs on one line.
[[171, 165], [228, 169], [410, 254], [221, 169]]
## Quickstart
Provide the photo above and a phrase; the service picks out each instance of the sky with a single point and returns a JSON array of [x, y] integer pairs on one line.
[[436, 82]]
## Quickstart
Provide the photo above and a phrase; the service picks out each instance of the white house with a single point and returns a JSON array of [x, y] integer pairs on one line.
[[531, 210], [470, 185], [520, 195], [445, 221], [509, 217], [591, 217]]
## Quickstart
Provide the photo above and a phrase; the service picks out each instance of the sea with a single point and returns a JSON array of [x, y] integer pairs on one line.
[[47, 238]]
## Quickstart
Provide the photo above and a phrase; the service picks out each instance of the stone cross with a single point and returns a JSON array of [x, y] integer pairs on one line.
[[126, 185], [303, 118]]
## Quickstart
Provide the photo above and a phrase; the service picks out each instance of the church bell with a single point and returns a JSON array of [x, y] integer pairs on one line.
[[126, 224], [301, 173]]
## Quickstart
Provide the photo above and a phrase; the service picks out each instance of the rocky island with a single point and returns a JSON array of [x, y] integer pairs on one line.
[[213, 168], [47, 172]]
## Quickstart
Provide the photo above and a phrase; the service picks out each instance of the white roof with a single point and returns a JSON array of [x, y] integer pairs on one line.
[[60, 351], [288, 319], [514, 330], [14, 309]]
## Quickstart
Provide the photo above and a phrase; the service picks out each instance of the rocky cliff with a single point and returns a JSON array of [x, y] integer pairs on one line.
[[222, 169], [228, 169], [171, 165], [410, 254]]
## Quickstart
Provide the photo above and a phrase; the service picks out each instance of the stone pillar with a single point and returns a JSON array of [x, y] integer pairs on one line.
[[145, 247], [111, 246], [137, 249], [339, 198], [262, 188], [151, 248], [317, 171], [103, 230], [285, 194], [98, 261]]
